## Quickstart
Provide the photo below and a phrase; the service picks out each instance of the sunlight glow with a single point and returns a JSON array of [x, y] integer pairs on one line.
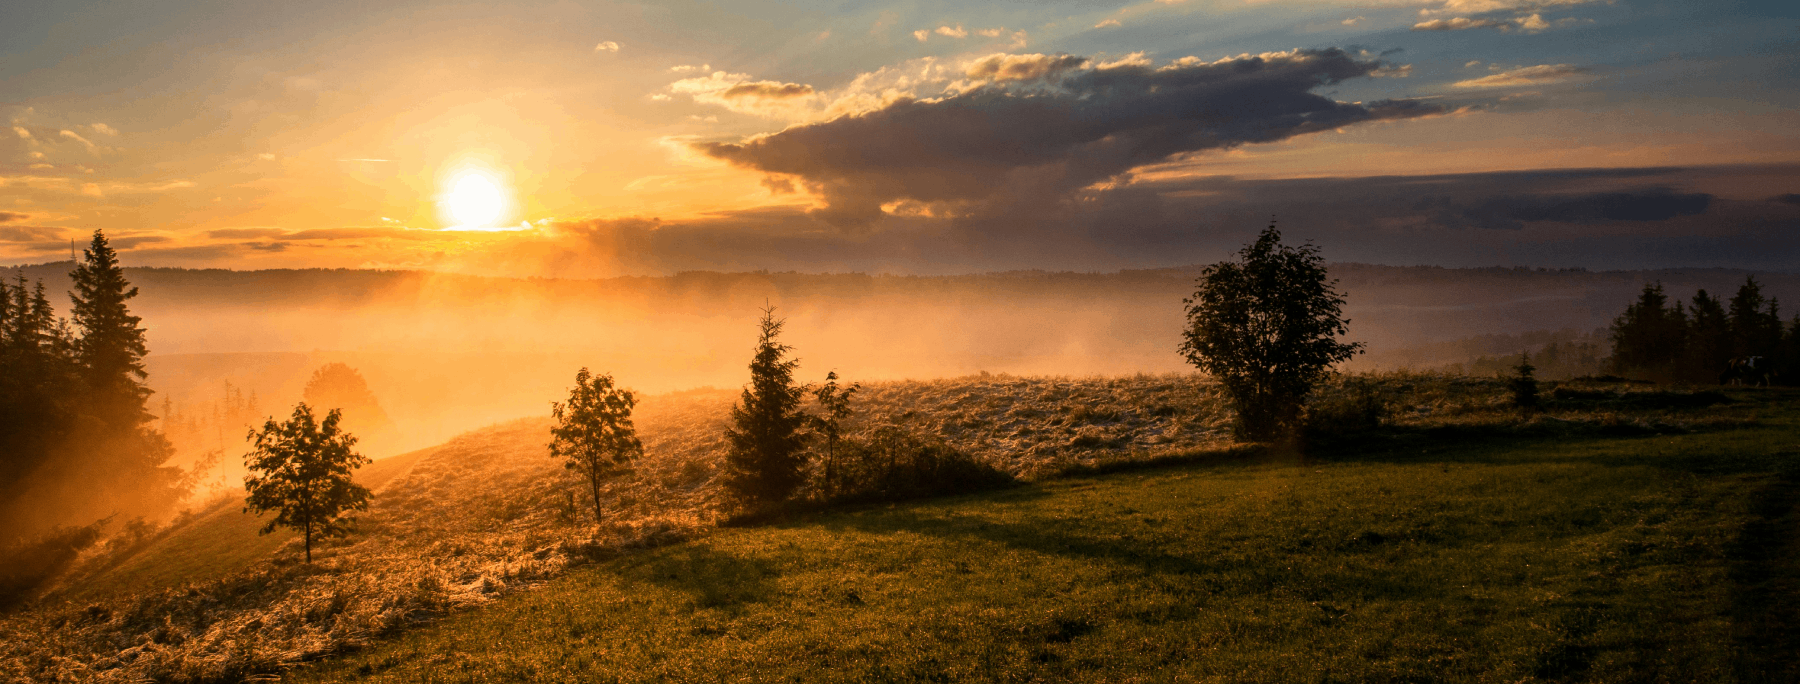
[[474, 200]]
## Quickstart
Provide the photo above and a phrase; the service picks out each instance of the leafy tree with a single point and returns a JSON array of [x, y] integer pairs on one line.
[[112, 347], [1266, 326], [834, 403], [594, 431], [1650, 336], [301, 470], [337, 385], [764, 461]]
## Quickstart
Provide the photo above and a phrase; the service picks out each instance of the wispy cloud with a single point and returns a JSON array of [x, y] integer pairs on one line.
[[1107, 22], [1527, 76], [607, 46], [72, 135]]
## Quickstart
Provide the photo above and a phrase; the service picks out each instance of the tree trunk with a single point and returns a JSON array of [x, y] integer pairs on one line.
[[309, 544], [594, 483]]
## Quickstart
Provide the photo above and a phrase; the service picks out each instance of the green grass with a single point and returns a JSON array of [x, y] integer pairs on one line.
[[1447, 555], [218, 542]]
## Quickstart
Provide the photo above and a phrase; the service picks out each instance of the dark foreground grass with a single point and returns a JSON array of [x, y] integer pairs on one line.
[[1429, 558]]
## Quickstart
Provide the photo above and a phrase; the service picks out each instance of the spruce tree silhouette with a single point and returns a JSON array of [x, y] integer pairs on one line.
[[111, 349], [764, 461]]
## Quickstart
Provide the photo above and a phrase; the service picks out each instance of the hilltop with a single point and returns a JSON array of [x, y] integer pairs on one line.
[[1456, 487]]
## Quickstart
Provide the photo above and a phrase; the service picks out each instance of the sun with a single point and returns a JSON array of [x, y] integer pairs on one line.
[[474, 200]]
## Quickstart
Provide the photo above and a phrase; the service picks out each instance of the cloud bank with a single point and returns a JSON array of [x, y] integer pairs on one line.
[[1023, 130]]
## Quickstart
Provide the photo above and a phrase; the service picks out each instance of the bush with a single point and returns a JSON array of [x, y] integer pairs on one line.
[[1354, 408], [891, 463], [29, 563]]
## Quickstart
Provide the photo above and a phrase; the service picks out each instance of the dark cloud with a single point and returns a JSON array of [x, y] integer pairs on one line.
[[243, 233], [767, 90], [9, 216], [352, 234], [1789, 198], [1639, 204], [28, 233], [131, 241], [1602, 219], [1039, 129]]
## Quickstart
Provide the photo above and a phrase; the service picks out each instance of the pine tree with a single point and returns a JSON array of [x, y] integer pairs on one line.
[[1524, 384], [1755, 322], [1650, 336], [112, 346], [764, 461], [1709, 343]]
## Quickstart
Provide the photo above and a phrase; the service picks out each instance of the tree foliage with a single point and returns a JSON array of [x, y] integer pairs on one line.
[[834, 409], [111, 349], [765, 460], [301, 469], [1267, 326], [1657, 339], [338, 386], [594, 433], [74, 441]]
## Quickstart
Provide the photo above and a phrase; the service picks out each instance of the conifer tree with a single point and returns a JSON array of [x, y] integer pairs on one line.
[[1755, 322], [764, 461], [112, 347], [1524, 384], [1709, 344], [1650, 336]]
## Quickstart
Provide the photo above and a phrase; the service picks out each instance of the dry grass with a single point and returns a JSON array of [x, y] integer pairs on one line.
[[489, 512]]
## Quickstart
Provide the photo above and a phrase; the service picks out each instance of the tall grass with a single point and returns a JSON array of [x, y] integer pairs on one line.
[[489, 512]]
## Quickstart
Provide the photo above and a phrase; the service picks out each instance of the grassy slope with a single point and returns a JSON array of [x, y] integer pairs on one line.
[[1431, 557], [217, 543]]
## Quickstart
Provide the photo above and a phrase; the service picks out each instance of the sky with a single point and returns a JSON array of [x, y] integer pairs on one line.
[[597, 139]]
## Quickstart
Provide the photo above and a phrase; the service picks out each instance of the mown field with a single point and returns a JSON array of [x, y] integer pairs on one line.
[[1626, 533], [1457, 556]]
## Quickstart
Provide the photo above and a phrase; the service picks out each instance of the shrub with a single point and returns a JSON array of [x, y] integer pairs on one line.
[[28, 563], [891, 463], [1354, 408]]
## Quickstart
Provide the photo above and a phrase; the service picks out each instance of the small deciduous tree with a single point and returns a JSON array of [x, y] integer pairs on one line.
[[594, 433], [764, 461], [301, 469], [1266, 326], [834, 407]]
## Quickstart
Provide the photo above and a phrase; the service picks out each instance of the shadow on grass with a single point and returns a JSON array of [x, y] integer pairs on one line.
[[1765, 581], [713, 579], [1041, 539]]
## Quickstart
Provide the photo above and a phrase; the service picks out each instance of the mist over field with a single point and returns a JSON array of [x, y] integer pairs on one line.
[[445, 353]]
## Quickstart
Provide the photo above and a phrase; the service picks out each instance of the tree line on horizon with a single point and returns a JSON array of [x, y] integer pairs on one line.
[[1706, 340]]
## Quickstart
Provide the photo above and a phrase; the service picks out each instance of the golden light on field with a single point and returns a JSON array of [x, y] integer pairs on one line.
[[474, 200]]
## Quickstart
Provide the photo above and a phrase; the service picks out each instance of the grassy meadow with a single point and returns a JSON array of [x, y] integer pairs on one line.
[[1625, 533]]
